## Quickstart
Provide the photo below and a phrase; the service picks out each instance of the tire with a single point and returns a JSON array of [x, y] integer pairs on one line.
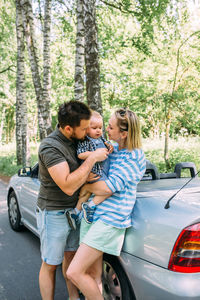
[[114, 280], [14, 213]]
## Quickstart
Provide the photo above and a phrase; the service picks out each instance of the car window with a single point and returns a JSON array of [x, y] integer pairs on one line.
[[34, 172]]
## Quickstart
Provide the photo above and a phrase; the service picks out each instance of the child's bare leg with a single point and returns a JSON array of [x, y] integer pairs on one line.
[[82, 199], [99, 199], [90, 207]]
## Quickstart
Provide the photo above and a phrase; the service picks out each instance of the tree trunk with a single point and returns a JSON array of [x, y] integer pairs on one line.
[[91, 57], [2, 124], [29, 28], [166, 149], [46, 64], [80, 53], [21, 105]]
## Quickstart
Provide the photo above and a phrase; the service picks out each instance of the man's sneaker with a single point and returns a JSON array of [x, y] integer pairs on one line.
[[88, 212], [72, 218]]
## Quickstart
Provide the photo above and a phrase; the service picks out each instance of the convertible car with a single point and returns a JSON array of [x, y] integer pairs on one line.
[[160, 259]]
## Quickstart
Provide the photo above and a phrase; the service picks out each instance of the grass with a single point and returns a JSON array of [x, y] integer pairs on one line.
[[181, 150]]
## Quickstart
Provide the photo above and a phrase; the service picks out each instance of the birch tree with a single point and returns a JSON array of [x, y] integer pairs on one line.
[[46, 64], [2, 123], [80, 53], [92, 57], [42, 102], [22, 151]]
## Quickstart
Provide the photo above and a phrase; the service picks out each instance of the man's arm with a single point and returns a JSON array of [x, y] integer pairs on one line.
[[70, 182], [84, 155]]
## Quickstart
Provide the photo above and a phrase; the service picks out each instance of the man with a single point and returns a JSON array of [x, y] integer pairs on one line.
[[61, 176]]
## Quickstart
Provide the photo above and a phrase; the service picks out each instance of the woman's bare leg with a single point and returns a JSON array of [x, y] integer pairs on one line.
[[72, 289], [77, 272], [96, 272]]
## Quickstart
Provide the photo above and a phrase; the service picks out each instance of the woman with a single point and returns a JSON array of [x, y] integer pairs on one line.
[[113, 215]]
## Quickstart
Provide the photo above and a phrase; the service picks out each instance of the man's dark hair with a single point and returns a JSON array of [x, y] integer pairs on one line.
[[71, 113]]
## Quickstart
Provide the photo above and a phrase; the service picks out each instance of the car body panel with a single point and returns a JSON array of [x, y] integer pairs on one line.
[[151, 282], [26, 190], [155, 229]]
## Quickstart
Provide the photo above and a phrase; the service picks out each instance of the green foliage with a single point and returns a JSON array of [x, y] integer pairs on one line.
[[138, 45], [7, 68], [8, 160], [8, 165], [181, 150]]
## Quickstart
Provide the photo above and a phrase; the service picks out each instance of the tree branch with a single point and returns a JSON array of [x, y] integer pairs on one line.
[[7, 69], [119, 7], [178, 58]]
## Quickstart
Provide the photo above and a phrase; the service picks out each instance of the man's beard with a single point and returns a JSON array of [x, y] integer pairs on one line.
[[74, 137]]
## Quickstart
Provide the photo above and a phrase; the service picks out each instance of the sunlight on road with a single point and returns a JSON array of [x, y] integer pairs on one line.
[[3, 200], [3, 207], [1, 245]]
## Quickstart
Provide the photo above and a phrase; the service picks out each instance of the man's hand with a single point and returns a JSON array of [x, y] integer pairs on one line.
[[100, 154], [92, 177], [69, 182]]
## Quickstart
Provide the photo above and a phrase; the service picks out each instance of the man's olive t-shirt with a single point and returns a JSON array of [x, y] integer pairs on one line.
[[54, 149]]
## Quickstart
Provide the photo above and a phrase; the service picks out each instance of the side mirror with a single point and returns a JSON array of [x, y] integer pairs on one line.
[[24, 172]]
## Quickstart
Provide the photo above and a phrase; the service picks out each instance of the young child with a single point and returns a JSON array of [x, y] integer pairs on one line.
[[93, 141]]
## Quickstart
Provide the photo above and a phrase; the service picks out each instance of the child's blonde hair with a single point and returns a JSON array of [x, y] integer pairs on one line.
[[128, 121], [96, 114]]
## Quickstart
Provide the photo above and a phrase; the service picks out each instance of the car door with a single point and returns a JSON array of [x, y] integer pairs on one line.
[[28, 198]]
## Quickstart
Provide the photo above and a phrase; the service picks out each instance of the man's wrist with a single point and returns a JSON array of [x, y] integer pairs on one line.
[[92, 158]]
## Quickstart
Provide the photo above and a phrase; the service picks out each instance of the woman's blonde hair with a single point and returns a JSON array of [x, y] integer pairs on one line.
[[128, 121]]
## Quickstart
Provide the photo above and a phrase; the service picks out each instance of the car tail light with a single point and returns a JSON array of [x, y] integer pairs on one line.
[[185, 255]]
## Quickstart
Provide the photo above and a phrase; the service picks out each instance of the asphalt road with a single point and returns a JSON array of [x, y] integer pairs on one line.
[[20, 261]]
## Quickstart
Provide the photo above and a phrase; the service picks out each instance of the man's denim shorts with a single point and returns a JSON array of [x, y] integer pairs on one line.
[[56, 236]]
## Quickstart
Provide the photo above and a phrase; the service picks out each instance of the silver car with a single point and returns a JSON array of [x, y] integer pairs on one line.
[[160, 259]]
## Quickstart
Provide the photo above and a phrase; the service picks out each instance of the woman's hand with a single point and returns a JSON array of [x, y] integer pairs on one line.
[[109, 147]]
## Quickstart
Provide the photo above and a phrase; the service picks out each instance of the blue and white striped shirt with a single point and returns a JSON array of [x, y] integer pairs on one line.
[[126, 170]]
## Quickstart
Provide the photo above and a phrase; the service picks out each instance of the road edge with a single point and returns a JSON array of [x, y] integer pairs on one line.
[[4, 179]]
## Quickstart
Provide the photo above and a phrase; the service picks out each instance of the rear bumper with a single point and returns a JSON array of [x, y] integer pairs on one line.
[[151, 282]]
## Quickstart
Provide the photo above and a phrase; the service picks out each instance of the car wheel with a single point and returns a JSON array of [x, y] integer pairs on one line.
[[114, 280], [14, 213]]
